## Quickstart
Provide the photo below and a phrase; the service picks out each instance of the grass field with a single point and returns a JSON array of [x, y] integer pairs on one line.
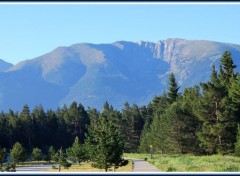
[[186, 163], [86, 167]]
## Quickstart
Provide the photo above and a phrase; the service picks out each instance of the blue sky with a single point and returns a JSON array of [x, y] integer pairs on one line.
[[28, 31]]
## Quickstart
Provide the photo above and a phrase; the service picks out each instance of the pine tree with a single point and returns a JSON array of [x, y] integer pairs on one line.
[[52, 153], [62, 132], [4, 130], [75, 153], [39, 128], [18, 154], [12, 127], [227, 67], [25, 128], [51, 128], [234, 91], [187, 105], [61, 159], [76, 119], [173, 88], [94, 116], [37, 154], [217, 134], [133, 127], [160, 103], [147, 114], [105, 145]]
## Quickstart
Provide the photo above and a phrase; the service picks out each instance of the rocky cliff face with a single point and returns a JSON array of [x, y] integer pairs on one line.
[[118, 72]]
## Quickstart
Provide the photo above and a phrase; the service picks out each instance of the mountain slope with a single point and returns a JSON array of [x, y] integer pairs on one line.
[[4, 65], [118, 72]]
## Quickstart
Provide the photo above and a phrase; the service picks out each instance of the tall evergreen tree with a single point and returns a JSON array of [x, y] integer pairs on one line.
[[26, 128], [94, 116], [4, 130], [234, 91], [76, 119], [51, 128], [39, 127], [228, 66], [12, 127], [134, 125], [148, 117], [173, 88], [217, 134]]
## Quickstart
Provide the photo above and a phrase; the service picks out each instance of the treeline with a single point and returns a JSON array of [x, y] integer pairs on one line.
[[40, 129], [201, 120]]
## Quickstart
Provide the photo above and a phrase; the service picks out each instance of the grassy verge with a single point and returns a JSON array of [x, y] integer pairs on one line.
[[186, 163], [86, 167]]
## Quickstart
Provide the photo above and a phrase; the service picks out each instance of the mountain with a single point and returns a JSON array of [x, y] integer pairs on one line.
[[122, 71], [4, 65]]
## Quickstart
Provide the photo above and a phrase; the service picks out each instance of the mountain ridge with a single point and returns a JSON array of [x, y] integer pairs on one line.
[[118, 72]]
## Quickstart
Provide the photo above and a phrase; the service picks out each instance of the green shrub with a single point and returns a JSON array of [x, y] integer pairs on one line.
[[171, 169]]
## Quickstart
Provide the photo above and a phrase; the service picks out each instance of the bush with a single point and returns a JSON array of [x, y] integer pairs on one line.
[[37, 154], [171, 169], [9, 167]]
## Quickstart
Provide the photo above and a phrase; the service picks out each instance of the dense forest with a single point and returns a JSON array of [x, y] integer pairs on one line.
[[199, 120]]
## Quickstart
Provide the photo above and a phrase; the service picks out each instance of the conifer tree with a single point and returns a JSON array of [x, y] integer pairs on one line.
[[217, 134], [173, 88], [18, 154], [39, 129], [26, 128], [134, 125], [76, 153], [37, 154], [227, 67], [105, 145], [234, 91], [93, 115]]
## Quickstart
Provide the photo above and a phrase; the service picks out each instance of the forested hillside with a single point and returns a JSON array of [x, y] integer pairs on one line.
[[203, 119]]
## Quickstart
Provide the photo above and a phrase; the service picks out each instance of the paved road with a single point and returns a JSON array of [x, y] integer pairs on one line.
[[143, 166], [35, 168], [139, 166]]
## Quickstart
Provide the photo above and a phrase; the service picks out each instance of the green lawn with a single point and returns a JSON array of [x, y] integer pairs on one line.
[[86, 167], [186, 163]]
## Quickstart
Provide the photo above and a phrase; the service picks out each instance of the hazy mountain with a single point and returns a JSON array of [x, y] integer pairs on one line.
[[4, 65], [122, 71]]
